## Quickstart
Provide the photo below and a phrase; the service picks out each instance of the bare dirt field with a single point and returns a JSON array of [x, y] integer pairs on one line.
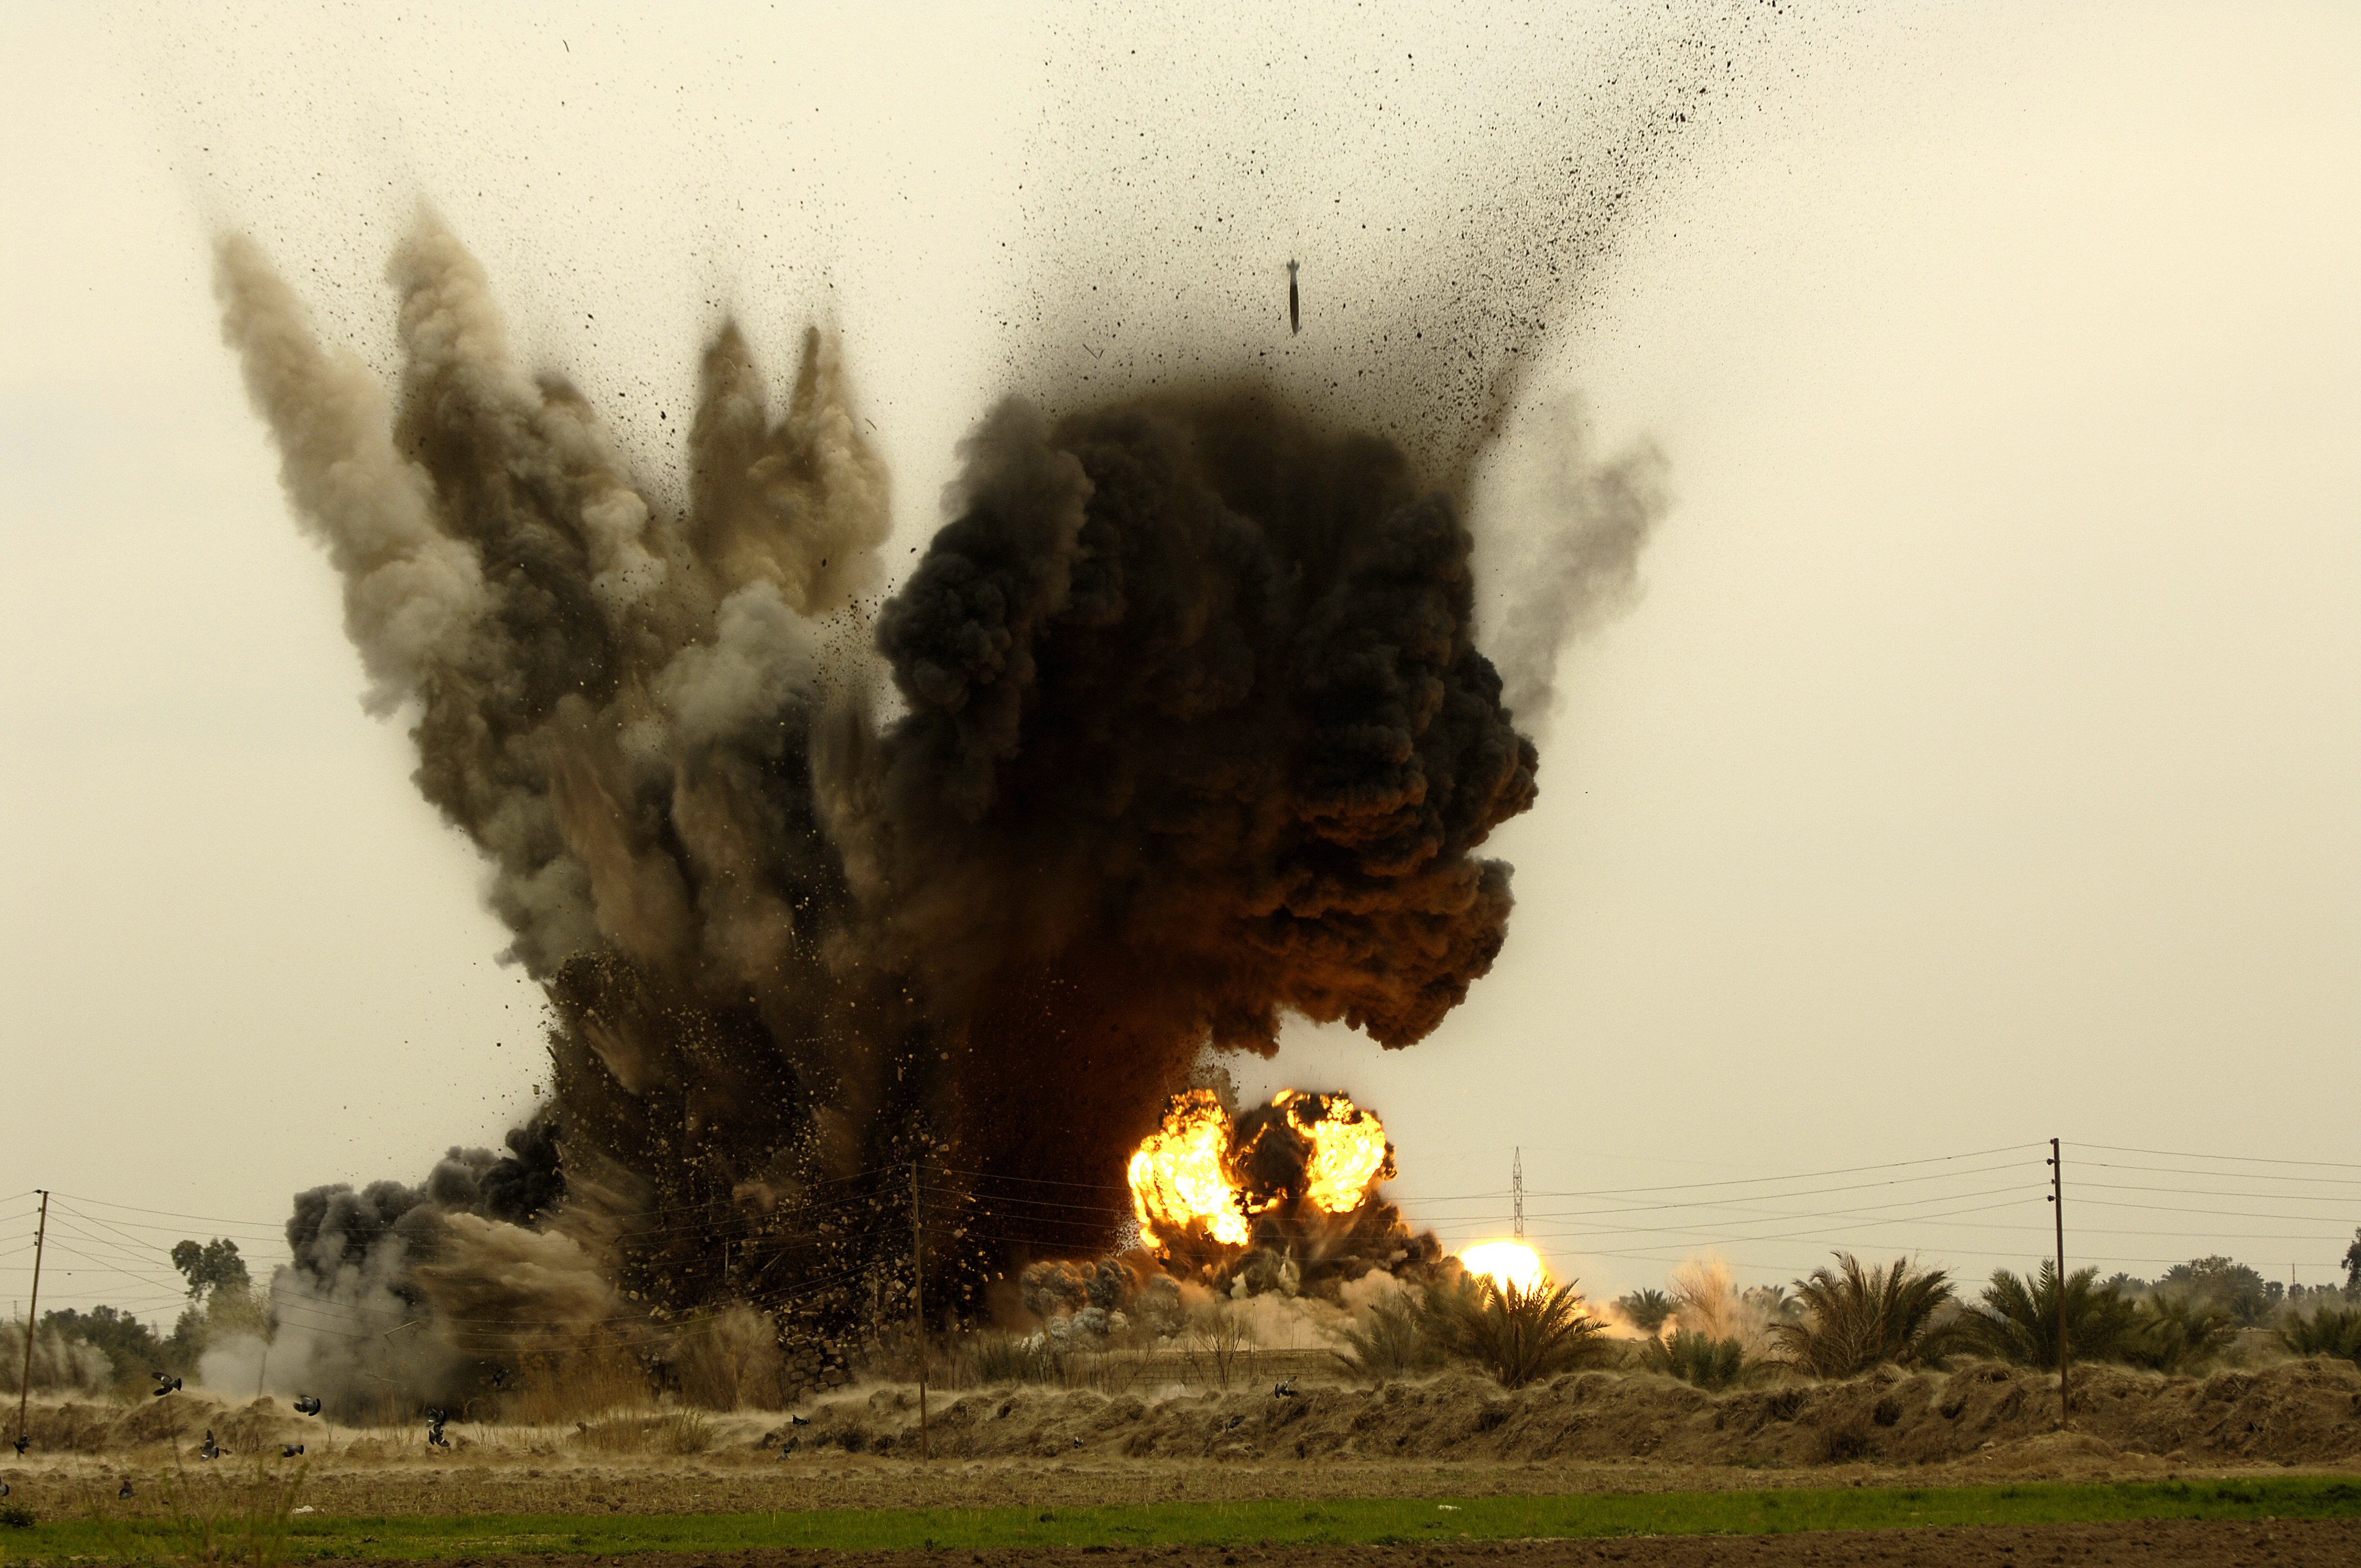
[[2185, 1543]]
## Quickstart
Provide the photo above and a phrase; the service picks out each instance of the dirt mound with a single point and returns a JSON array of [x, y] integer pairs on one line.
[[178, 1419], [2300, 1411]]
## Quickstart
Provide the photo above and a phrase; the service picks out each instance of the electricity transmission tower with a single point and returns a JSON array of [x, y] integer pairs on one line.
[[1517, 1194]]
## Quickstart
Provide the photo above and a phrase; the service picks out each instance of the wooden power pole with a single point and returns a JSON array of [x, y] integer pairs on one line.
[[33, 1317], [918, 1291], [2057, 1205]]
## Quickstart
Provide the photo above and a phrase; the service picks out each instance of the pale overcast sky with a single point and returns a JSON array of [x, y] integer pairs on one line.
[[1979, 766]]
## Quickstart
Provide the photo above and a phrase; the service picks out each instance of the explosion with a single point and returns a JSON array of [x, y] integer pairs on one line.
[[1507, 1264], [1188, 733], [1191, 1174]]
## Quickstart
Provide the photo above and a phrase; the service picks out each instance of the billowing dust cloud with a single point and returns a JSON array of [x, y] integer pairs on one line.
[[1177, 728]]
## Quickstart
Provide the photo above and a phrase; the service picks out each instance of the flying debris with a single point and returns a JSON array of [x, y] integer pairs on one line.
[[307, 1404], [289, 1450], [164, 1384], [1294, 308]]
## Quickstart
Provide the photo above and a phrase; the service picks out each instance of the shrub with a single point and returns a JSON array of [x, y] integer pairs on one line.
[[2325, 1331], [1518, 1336], [675, 1431], [1857, 1318], [1696, 1358], [2018, 1323], [1394, 1345], [1008, 1358]]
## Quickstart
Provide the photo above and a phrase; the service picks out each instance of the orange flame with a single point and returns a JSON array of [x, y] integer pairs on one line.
[[1348, 1149], [1180, 1174]]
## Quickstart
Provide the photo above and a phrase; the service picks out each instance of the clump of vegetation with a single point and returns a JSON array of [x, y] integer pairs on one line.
[[1518, 1336], [1645, 1309], [17, 1515], [2173, 1332], [2232, 1289], [672, 1431], [1016, 1358], [1395, 1343], [2330, 1330], [1855, 1318], [1697, 1358], [2017, 1322]]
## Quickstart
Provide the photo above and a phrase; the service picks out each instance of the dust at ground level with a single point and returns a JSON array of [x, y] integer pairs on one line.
[[2195, 1543]]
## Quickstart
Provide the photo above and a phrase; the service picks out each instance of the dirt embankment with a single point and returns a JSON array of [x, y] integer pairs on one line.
[[2296, 1412], [2304, 1411]]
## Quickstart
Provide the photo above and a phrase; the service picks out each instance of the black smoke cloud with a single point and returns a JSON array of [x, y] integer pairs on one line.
[[1192, 734]]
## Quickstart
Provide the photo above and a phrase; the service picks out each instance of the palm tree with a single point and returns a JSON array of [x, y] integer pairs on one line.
[[1708, 1362], [1519, 1336], [2019, 1323], [1646, 1309], [1857, 1318]]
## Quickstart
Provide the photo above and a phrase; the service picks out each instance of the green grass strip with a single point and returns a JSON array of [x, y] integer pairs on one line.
[[1285, 1521]]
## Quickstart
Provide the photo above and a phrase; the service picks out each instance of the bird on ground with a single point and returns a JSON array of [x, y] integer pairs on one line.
[[307, 1404], [126, 1493], [289, 1450]]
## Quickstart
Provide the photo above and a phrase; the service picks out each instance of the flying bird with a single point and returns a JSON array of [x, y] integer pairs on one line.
[[1294, 309], [289, 1450], [211, 1449], [23, 1442], [164, 1384], [1283, 1390], [796, 1420], [1077, 1442], [1233, 1423], [789, 1446], [307, 1405], [500, 1376], [4, 1489]]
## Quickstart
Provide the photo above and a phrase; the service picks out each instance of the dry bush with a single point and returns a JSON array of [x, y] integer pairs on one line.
[[670, 1431], [1857, 1318], [1219, 1347], [1394, 1343], [551, 1389]]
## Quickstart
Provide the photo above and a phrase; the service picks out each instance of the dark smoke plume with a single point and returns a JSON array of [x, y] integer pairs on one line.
[[1193, 736]]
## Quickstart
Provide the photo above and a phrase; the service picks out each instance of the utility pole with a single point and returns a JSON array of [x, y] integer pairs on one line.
[[2057, 1205], [33, 1318], [1517, 1193], [918, 1290]]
